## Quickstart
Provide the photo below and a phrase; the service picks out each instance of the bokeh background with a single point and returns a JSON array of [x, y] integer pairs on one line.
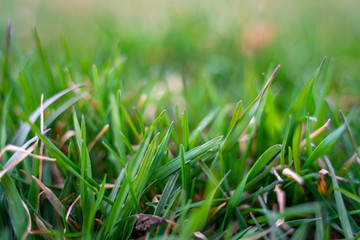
[[225, 42]]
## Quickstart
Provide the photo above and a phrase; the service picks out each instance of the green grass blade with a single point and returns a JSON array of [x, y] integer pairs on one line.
[[340, 206], [255, 169], [325, 145], [165, 196], [98, 92], [130, 122], [114, 154], [295, 148], [203, 124], [17, 212], [185, 174], [349, 194], [43, 58], [153, 125], [6, 77], [185, 129], [283, 147], [127, 143], [247, 115], [198, 217], [89, 227], [236, 115], [174, 165], [305, 97]]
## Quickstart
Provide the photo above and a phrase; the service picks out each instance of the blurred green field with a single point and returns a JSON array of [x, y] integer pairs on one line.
[[140, 58]]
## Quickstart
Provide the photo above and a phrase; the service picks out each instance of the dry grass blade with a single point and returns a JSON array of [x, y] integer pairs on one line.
[[293, 175], [321, 185], [349, 163], [281, 199], [70, 209], [41, 226], [270, 80], [28, 230], [42, 128], [24, 129], [25, 153], [315, 133], [65, 137], [280, 195], [200, 235], [168, 226], [55, 202], [25, 174], [257, 236], [217, 209], [13, 148], [102, 132], [277, 174]]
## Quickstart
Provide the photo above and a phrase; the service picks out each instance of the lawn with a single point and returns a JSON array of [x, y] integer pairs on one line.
[[179, 120]]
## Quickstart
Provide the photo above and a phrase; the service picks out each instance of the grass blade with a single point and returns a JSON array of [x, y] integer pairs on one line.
[[349, 194], [199, 216], [344, 220], [248, 114], [24, 129], [325, 145], [18, 215], [283, 147], [185, 128], [255, 169], [174, 165]]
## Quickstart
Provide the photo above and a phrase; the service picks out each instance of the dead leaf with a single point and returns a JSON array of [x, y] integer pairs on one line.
[[144, 222]]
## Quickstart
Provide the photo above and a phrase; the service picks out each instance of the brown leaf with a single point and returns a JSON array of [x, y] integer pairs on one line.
[[144, 222], [322, 185]]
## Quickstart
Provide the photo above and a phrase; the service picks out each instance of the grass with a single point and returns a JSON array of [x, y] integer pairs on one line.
[[166, 131]]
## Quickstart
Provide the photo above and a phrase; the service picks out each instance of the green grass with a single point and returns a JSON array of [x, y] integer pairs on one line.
[[176, 121]]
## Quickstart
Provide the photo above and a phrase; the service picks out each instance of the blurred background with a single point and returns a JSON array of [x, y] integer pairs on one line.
[[221, 49]]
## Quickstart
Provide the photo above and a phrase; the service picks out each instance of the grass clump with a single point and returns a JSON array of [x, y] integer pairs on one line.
[[97, 159]]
